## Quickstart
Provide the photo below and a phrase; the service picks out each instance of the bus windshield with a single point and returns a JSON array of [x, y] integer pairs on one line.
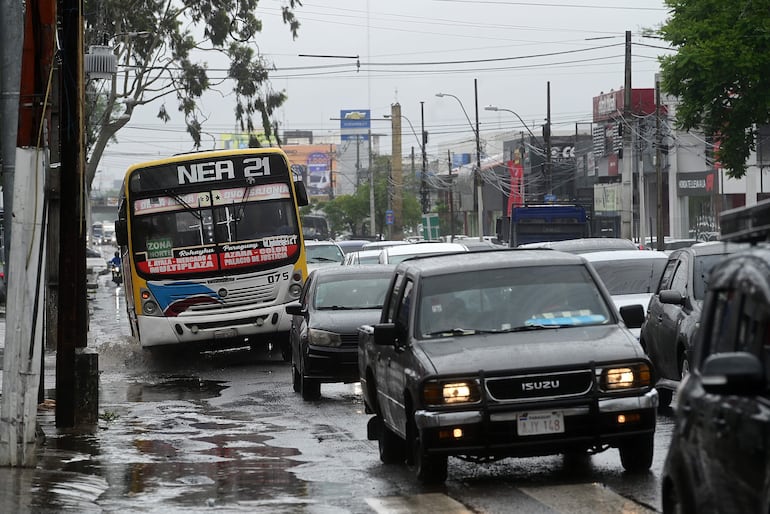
[[240, 228]]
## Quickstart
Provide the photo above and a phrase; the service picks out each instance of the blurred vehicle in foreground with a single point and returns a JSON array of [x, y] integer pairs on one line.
[[718, 459]]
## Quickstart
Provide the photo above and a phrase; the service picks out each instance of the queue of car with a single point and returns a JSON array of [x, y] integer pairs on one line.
[[491, 378]]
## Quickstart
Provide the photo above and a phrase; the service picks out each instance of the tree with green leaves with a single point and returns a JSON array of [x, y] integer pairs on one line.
[[162, 47], [720, 72]]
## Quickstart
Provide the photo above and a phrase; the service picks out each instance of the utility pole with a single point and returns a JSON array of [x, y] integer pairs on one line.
[[547, 138], [424, 199], [626, 178], [451, 200], [372, 224], [479, 181], [658, 171], [76, 370], [397, 167]]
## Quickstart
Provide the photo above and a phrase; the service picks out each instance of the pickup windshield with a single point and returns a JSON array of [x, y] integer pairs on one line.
[[510, 300]]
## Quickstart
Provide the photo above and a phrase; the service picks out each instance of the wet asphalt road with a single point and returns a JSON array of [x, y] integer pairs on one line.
[[224, 432]]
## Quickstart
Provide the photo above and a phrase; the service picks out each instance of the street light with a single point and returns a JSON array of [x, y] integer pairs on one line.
[[419, 143], [496, 108], [479, 196]]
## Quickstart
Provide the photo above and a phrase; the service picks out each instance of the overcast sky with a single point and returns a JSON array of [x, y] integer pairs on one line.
[[409, 50]]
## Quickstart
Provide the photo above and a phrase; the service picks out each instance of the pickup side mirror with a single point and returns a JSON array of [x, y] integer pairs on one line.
[[671, 297], [385, 334], [294, 308], [633, 315], [738, 373]]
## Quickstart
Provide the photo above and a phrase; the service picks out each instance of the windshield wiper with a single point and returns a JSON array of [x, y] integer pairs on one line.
[[322, 259], [524, 328], [192, 210], [453, 332]]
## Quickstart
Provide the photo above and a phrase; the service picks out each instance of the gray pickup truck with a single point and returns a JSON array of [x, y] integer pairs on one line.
[[498, 354]]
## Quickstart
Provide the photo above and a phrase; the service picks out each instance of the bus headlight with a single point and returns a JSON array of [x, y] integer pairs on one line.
[[295, 290], [632, 376], [150, 308], [323, 338], [451, 392]]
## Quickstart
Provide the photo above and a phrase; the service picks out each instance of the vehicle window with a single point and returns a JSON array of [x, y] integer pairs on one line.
[[393, 300], [679, 279], [701, 271], [360, 292], [630, 276], [668, 272], [723, 328], [502, 300], [402, 319], [324, 253], [304, 297]]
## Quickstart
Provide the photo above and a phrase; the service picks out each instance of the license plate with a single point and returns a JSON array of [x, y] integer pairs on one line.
[[225, 333], [540, 422]]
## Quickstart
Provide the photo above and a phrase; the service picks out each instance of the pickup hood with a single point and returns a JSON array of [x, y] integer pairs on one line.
[[548, 348], [344, 321]]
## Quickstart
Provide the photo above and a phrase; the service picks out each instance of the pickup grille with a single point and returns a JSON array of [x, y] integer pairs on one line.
[[523, 388]]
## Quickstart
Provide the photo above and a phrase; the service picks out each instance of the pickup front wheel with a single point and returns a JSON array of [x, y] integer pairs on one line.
[[429, 469], [636, 454]]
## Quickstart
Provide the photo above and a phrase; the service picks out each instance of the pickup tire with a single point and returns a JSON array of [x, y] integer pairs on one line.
[[310, 389], [428, 469], [295, 378], [392, 447], [664, 397], [636, 454]]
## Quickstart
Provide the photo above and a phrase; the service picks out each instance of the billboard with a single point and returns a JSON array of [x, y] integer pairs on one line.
[[316, 164], [355, 124]]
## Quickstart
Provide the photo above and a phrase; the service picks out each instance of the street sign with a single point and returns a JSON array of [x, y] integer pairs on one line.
[[430, 226], [390, 218]]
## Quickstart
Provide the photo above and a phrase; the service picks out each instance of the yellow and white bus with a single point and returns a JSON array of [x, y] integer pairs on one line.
[[212, 249]]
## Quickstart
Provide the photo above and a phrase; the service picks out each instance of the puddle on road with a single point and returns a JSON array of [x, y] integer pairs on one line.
[[175, 388], [202, 459]]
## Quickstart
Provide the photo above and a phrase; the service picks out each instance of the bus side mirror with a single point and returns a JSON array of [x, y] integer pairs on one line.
[[299, 188], [121, 232]]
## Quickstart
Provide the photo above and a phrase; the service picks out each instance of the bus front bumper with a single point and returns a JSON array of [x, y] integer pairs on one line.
[[221, 329]]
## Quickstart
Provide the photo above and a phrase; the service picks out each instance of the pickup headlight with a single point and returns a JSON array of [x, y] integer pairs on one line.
[[451, 392], [631, 376], [323, 338]]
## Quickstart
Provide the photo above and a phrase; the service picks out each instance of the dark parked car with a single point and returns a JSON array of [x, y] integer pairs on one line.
[[335, 301], [511, 353], [674, 311], [719, 456]]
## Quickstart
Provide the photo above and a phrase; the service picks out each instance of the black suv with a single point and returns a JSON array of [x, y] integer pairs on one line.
[[499, 354], [674, 311], [719, 457]]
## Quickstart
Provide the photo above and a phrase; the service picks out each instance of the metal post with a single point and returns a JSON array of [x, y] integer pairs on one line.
[[479, 182], [423, 186], [372, 224]]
